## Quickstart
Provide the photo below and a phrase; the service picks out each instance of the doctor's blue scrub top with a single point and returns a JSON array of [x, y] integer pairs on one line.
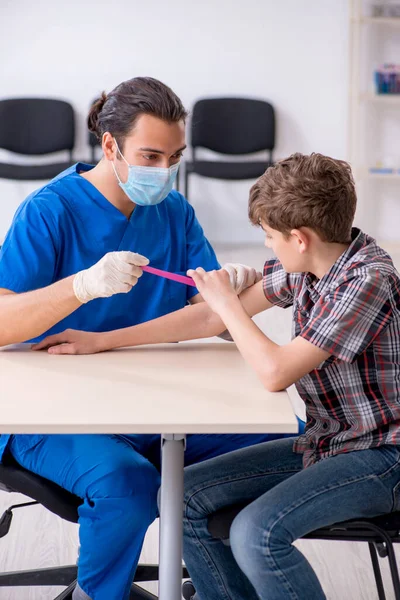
[[68, 225]]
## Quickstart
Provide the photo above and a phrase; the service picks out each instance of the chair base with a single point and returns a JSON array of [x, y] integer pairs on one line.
[[66, 576], [136, 593], [39, 577]]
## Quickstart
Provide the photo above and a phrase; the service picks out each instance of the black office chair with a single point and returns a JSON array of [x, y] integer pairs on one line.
[[35, 127], [14, 478], [231, 126], [379, 532], [93, 142]]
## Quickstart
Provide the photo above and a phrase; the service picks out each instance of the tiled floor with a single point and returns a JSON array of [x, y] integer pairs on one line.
[[38, 538]]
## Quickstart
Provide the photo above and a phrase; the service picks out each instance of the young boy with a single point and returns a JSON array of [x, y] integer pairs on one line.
[[345, 361]]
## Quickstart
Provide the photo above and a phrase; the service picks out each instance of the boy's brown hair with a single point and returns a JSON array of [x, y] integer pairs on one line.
[[313, 191]]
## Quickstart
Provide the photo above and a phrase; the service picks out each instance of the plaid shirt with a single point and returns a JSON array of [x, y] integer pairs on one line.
[[353, 312]]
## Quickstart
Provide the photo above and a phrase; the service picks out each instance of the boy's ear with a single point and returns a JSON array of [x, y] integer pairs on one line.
[[301, 238]]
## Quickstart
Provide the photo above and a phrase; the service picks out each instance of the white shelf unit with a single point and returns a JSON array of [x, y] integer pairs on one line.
[[380, 98], [374, 123], [383, 176], [392, 21], [361, 96]]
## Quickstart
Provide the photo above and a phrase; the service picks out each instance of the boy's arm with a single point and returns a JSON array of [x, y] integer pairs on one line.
[[192, 322], [277, 366]]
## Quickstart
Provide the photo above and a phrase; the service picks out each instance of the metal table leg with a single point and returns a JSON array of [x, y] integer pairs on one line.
[[171, 516]]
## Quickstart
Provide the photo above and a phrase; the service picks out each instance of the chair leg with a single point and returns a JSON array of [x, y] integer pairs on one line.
[[393, 569], [138, 593], [67, 593], [377, 571], [39, 577]]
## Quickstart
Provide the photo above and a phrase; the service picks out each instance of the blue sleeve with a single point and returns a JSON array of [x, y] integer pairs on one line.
[[199, 251], [28, 256]]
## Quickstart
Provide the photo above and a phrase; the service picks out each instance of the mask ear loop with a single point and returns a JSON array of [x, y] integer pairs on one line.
[[174, 168], [113, 166]]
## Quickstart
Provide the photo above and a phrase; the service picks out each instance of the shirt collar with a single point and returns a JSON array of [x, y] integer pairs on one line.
[[359, 241]]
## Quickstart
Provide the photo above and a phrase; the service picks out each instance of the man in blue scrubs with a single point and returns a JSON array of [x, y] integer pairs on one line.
[[72, 259]]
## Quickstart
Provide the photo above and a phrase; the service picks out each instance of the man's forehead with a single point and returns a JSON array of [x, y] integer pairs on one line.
[[158, 134]]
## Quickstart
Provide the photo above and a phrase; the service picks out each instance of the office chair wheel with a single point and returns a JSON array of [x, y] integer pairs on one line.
[[188, 590]]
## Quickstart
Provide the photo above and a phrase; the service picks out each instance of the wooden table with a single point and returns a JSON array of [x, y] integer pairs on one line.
[[170, 389]]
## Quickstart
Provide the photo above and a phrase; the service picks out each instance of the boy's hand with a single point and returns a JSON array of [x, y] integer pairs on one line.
[[215, 287]]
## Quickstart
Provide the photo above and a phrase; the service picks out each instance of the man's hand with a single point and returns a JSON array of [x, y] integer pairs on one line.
[[215, 288], [72, 342], [115, 273], [241, 277]]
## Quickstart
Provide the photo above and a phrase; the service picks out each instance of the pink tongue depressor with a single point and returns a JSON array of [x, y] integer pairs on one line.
[[168, 275]]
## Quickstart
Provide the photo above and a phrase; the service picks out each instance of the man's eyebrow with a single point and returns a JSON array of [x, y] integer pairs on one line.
[[152, 150], [161, 151]]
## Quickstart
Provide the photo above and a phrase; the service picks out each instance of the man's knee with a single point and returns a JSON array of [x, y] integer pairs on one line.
[[124, 478]]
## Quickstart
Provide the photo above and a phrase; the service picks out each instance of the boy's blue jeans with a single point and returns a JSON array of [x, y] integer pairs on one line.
[[287, 502], [118, 478]]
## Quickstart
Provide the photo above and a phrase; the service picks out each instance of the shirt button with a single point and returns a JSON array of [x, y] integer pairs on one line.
[[312, 445], [325, 425]]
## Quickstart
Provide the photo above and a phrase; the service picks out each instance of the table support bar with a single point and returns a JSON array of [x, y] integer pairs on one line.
[[171, 516]]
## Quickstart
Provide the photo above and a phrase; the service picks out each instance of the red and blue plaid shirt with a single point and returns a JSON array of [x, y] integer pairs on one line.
[[353, 312]]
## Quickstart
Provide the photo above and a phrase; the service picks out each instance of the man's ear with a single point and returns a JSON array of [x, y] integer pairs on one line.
[[109, 146], [301, 238]]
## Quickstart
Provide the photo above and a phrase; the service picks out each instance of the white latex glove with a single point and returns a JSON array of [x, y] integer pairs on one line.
[[241, 277], [115, 273]]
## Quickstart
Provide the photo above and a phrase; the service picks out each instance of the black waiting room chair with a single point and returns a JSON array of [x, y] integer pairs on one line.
[[94, 145], [231, 127], [379, 532], [93, 142], [14, 478], [35, 127]]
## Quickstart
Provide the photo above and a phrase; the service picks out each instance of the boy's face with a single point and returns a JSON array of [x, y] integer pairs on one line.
[[286, 249]]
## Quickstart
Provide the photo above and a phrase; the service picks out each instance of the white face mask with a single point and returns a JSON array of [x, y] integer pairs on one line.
[[147, 186]]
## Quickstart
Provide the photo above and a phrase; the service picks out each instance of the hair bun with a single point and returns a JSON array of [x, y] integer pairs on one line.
[[93, 117]]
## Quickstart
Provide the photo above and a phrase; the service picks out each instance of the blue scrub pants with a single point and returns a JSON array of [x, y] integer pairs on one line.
[[118, 477]]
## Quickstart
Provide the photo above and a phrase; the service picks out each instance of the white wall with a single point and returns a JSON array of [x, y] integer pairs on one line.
[[291, 52]]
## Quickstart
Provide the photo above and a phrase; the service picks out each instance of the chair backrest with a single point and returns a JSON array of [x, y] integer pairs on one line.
[[233, 125], [92, 140], [35, 126]]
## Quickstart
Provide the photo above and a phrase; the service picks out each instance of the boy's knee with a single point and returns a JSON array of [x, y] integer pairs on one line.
[[194, 508], [253, 538], [244, 539]]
